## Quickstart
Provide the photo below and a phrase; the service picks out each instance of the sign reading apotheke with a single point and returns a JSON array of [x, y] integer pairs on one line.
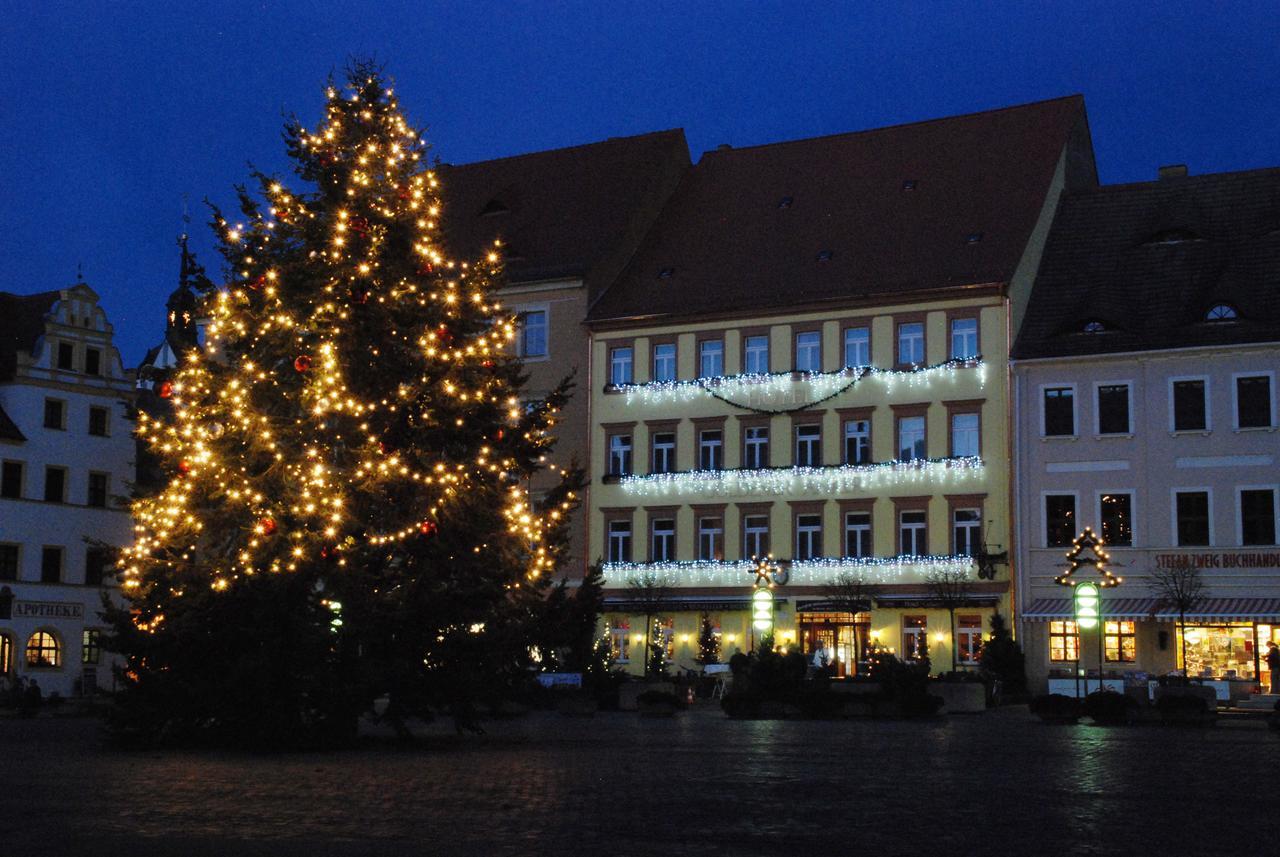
[[1241, 559], [47, 610]]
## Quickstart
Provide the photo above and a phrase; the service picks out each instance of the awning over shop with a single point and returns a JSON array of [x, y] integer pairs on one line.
[[831, 607], [1221, 609], [928, 602], [710, 605]]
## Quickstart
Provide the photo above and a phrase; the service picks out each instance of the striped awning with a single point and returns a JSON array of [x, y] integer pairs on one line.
[[1223, 609]]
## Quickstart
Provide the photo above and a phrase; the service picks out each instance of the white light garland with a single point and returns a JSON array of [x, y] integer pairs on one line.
[[793, 480], [787, 388], [808, 572]]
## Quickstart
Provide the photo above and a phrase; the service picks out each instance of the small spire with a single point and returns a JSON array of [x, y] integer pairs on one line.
[[79, 272]]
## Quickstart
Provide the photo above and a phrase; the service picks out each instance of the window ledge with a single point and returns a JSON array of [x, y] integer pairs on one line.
[[613, 478], [1190, 432], [534, 358], [1125, 435], [1250, 429], [1050, 438]]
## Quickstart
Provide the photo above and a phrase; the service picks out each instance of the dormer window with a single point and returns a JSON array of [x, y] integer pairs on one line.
[[666, 273], [1094, 326], [493, 208], [785, 202], [909, 184], [1221, 312], [973, 238], [824, 255]]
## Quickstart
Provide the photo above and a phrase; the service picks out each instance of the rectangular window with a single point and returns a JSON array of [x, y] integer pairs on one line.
[[969, 639], [911, 533], [66, 356], [966, 530], [1119, 641], [664, 361], [964, 338], [1115, 512], [90, 646], [1064, 642], [1253, 401], [711, 358], [808, 536], [1191, 509], [964, 435], [55, 413], [619, 455], [1059, 412], [809, 445], [710, 538], [809, 351], [1059, 520], [533, 334], [911, 344], [620, 643], [755, 536], [755, 447], [662, 543], [857, 534], [8, 562], [1113, 409], [98, 421], [857, 346], [755, 352], [619, 541], [95, 566], [857, 441], [11, 480], [711, 449], [911, 438], [1258, 517], [97, 490], [92, 361], [1189, 411], [51, 565], [915, 637], [620, 368], [663, 457], [55, 485]]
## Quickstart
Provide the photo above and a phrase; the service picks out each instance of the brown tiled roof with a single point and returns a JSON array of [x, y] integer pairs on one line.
[[21, 324], [829, 218], [1147, 261], [571, 212]]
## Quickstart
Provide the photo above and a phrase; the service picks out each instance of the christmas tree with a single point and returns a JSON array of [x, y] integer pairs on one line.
[[708, 641], [345, 515]]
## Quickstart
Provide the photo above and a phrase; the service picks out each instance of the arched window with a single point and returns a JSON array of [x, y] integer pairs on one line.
[[1220, 312], [1094, 327], [44, 650]]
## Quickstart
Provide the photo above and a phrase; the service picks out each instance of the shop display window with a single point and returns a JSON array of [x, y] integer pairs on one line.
[[1064, 641], [1219, 651], [1120, 641]]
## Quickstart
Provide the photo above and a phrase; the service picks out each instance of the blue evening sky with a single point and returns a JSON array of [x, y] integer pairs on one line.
[[111, 111]]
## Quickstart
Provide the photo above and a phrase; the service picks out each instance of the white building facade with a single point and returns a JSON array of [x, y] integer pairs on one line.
[[67, 457], [1146, 409]]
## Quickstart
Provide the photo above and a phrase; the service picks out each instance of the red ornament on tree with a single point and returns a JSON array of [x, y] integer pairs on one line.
[[488, 364], [429, 528], [258, 283], [184, 466], [302, 363], [426, 268], [267, 526], [443, 334], [359, 224], [166, 389], [499, 434]]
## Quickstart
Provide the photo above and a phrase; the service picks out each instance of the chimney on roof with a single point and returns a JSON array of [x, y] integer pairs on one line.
[[723, 146], [1172, 171]]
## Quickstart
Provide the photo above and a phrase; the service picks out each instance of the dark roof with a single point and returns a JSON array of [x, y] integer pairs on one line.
[[8, 428], [579, 211], [852, 217], [1147, 261], [21, 325]]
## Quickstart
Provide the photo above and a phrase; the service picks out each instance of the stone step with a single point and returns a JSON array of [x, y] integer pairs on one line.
[[1259, 702]]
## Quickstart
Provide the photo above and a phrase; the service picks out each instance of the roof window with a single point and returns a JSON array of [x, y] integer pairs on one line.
[[493, 208], [908, 184], [824, 255], [666, 273], [1093, 326], [1173, 236], [1221, 312], [785, 202], [973, 238]]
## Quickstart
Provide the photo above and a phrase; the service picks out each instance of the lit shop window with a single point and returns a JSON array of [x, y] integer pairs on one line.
[[1064, 641], [969, 638], [1120, 642]]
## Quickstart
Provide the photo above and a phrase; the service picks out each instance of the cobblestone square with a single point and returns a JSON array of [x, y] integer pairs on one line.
[[999, 783]]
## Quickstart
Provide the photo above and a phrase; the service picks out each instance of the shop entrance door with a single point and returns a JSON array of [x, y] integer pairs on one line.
[[843, 636]]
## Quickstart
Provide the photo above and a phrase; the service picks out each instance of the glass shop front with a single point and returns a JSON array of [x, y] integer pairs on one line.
[[1227, 650]]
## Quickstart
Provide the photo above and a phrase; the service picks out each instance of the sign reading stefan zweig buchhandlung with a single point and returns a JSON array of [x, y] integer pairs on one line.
[[47, 610], [1218, 560]]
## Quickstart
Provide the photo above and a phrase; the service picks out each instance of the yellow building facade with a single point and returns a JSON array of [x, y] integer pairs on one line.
[[807, 359]]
